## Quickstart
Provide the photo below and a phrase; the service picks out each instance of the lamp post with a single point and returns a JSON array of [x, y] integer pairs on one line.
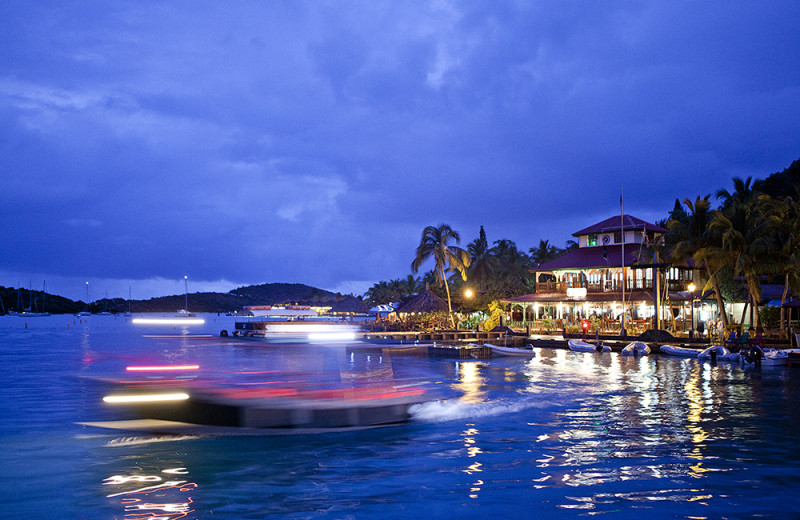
[[691, 288]]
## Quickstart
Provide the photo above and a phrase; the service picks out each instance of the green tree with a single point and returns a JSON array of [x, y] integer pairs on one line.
[[513, 274], [482, 263], [692, 238], [544, 253], [744, 228], [786, 219], [435, 243]]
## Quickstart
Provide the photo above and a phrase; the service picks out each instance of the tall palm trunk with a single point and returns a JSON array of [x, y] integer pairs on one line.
[[720, 300], [744, 312], [783, 301], [449, 305]]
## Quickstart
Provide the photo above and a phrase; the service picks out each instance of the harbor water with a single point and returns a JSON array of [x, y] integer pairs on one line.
[[558, 435]]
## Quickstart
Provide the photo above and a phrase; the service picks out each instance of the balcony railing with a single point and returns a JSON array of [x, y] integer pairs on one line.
[[607, 286]]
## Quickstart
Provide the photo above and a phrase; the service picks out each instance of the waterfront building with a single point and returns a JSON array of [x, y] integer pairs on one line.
[[615, 269]]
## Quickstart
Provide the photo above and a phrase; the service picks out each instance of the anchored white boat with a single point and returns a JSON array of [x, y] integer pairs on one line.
[[672, 350], [636, 348], [510, 351], [718, 353], [577, 345]]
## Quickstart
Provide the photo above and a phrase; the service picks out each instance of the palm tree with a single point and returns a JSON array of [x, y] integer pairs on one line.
[[513, 276], [786, 229], [544, 252], [694, 239], [435, 243], [482, 264], [744, 228]]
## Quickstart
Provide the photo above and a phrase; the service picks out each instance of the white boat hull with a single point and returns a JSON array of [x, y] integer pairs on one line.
[[719, 352], [672, 350], [510, 351], [577, 345], [636, 348]]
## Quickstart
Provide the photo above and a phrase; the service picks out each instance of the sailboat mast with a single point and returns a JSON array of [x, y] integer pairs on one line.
[[622, 250], [186, 292]]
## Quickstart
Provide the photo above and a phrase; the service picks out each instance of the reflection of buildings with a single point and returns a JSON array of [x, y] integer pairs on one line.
[[613, 265]]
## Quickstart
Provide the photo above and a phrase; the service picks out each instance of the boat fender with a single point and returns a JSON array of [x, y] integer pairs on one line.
[[223, 333]]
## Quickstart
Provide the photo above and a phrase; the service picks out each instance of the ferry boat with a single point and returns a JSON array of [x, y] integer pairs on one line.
[[293, 323]]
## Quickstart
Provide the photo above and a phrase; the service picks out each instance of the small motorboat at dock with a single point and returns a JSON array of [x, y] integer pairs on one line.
[[672, 350], [718, 353], [577, 345], [636, 348], [510, 351]]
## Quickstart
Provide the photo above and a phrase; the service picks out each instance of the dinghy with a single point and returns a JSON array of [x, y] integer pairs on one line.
[[719, 353], [635, 348], [511, 351], [672, 350], [582, 346]]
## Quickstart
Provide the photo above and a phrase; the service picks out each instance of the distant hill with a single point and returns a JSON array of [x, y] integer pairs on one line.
[[264, 294], [20, 299]]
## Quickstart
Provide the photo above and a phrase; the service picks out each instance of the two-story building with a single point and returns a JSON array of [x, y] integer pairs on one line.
[[614, 270]]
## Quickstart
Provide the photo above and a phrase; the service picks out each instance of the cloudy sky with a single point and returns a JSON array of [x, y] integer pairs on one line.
[[246, 142]]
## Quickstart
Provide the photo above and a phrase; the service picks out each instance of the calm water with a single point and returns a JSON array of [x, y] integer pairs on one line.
[[562, 435]]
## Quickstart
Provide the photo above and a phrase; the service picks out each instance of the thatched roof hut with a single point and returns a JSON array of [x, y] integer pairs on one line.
[[349, 305], [426, 301]]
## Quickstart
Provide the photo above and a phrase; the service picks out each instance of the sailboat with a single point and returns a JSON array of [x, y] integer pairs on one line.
[[29, 312], [128, 313], [182, 317], [106, 311], [86, 311], [184, 313]]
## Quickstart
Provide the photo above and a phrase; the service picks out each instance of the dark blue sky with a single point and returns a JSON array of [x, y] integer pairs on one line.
[[250, 142]]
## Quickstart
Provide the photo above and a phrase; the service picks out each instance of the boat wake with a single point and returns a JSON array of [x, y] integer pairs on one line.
[[137, 440], [452, 409]]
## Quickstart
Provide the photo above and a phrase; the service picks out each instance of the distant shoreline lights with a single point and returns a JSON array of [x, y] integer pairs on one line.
[[168, 321]]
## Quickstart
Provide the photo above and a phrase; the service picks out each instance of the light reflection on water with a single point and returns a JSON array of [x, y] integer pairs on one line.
[[562, 434]]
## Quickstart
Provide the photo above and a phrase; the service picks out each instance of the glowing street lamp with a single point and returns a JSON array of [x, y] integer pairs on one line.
[[691, 288], [468, 293]]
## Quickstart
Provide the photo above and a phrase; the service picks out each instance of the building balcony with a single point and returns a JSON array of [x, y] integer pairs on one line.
[[606, 286]]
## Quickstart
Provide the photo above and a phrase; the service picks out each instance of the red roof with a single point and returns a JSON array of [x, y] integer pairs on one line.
[[613, 224], [588, 257]]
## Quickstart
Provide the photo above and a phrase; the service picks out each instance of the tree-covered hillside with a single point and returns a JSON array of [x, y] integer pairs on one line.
[[265, 294]]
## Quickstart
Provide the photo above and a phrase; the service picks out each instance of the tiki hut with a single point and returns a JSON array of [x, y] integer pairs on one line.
[[425, 302], [349, 305]]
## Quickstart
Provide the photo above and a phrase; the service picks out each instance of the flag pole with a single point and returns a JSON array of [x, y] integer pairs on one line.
[[622, 251]]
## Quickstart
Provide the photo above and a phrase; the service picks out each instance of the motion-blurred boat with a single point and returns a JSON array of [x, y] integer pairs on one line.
[[175, 406]]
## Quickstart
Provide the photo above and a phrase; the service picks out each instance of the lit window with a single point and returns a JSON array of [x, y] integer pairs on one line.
[[592, 240]]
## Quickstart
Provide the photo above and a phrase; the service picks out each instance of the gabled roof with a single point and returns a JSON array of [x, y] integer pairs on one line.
[[588, 257], [612, 224]]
